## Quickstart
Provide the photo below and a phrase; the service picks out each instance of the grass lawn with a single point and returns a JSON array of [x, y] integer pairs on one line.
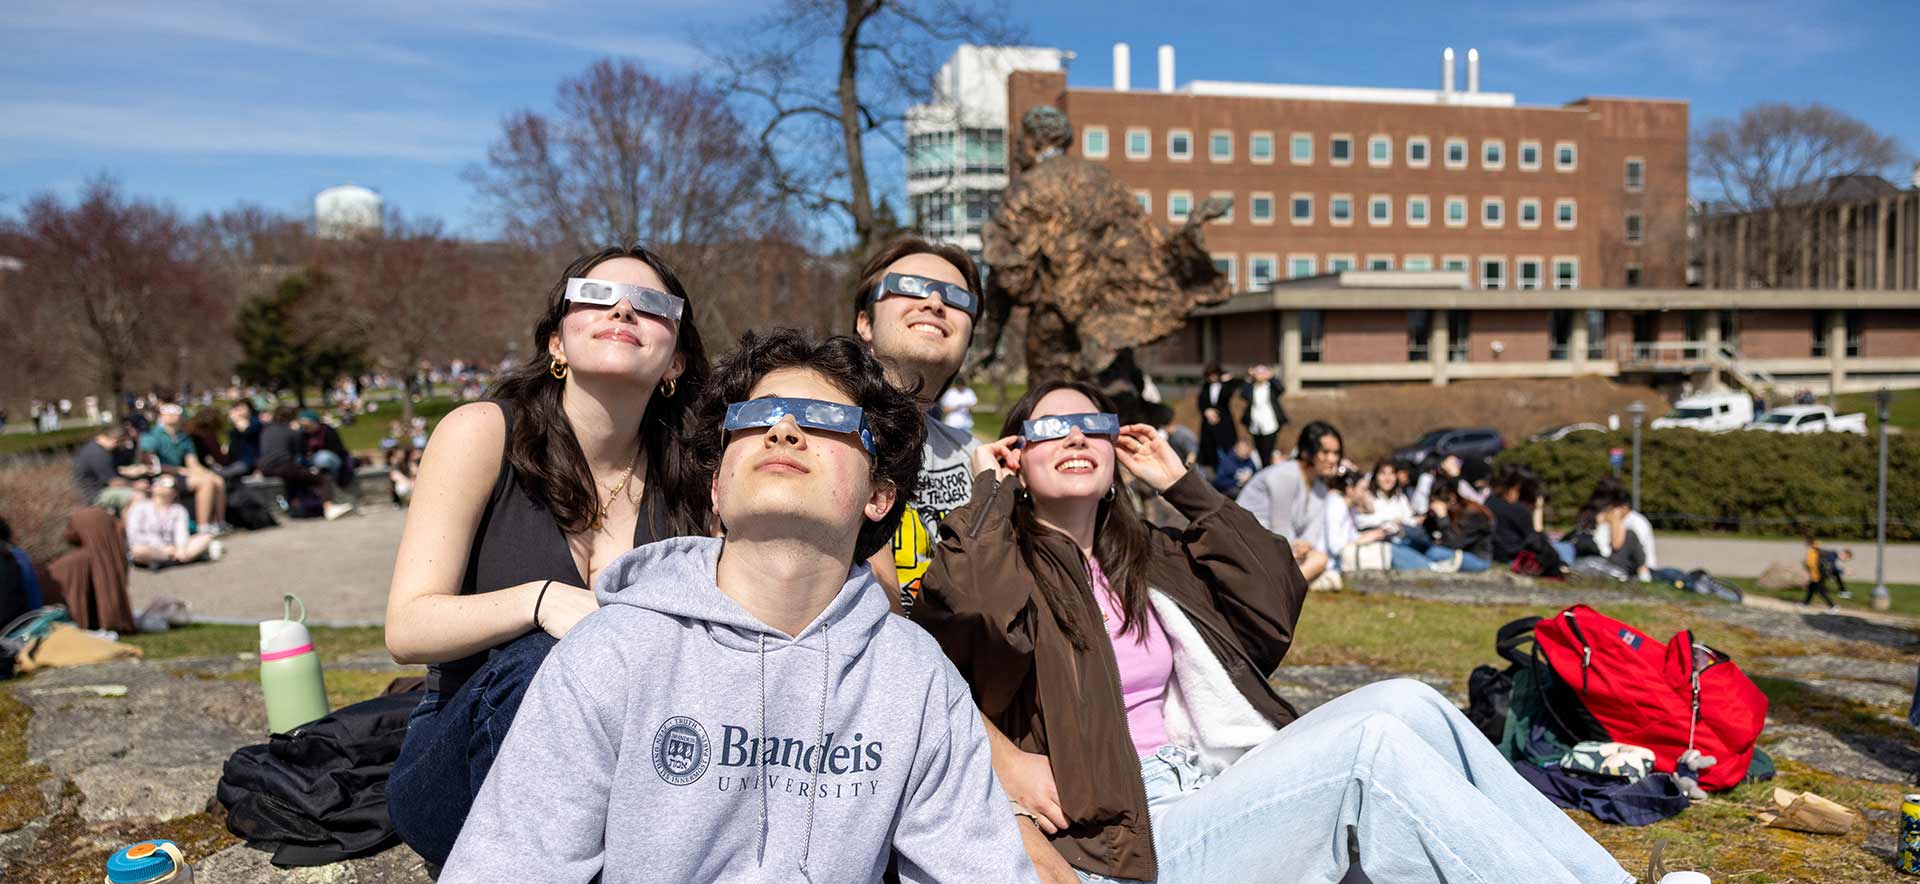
[[26, 443], [365, 433], [1905, 596], [1905, 410], [215, 640]]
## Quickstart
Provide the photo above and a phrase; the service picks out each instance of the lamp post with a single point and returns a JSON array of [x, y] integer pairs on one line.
[[1638, 411], [1881, 599]]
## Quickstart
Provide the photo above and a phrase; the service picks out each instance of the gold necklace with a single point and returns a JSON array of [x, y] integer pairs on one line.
[[613, 495]]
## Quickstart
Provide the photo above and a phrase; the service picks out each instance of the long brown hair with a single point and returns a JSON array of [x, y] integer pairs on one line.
[[1122, 540], [546, 455]]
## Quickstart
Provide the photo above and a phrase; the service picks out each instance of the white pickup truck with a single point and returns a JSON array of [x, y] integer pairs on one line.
[[1708, 413], [1810, 419]]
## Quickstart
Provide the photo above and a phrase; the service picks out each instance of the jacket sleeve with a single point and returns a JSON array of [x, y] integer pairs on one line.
[[527, 823], [1250, 570], [976, 599], [955, 823]]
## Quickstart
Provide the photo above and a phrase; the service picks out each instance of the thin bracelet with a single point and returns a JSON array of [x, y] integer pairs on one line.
[[536, 604]]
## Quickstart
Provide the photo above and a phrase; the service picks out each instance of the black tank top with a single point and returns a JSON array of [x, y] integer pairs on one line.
[[518, 541]]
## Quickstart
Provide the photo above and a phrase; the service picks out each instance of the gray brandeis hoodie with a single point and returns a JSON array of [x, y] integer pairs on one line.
[[674, 737]]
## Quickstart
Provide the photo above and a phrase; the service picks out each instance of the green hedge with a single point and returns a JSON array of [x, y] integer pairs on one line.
[[1740, 482]]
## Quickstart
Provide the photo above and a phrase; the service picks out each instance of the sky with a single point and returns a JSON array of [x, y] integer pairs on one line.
[[205, 105]]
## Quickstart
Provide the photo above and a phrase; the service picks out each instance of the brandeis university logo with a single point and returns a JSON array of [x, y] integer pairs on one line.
[[681, 751]]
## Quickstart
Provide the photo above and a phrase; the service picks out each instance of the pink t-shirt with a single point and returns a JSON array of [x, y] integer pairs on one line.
[[1145, 667]]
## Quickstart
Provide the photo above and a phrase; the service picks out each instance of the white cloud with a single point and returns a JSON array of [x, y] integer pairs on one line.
[[1707, 40]]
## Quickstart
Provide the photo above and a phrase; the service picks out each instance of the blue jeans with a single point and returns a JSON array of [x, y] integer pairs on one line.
[[450, 746], [1390, 777]]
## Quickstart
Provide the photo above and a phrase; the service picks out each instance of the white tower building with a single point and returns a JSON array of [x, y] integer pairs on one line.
[[345, 211]]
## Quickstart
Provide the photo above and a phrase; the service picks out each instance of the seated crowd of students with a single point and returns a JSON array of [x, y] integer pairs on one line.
[[770, 619]]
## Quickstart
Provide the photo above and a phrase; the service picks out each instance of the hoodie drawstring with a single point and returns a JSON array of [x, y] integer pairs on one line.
[[758, 764], [826, 685]]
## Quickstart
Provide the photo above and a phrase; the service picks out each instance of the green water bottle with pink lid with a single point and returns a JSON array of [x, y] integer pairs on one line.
[[149, 862], [290, 671]]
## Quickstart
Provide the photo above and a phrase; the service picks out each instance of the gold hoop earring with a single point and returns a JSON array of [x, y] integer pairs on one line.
[[666, 388], [558, 369]]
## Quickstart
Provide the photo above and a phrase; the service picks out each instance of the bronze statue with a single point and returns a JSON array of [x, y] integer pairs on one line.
[[1095, 275]]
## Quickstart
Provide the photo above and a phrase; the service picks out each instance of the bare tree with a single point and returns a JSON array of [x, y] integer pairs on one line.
[[127, 278], [842, 74], [1784, 165], [414, 291]]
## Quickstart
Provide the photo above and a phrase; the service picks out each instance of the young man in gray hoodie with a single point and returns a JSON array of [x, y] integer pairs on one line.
[[746, 709]]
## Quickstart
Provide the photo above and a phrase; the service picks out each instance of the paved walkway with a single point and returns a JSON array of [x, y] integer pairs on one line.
[[1735, 557], [340, 569]]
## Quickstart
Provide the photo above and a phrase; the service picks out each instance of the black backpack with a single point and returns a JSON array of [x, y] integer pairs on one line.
[[1507, 704], [319, 795], [250, 510]]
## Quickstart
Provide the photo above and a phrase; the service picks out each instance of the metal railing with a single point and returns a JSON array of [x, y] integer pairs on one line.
[[1694, 355]]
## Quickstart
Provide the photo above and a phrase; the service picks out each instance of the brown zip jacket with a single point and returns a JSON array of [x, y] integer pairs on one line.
[[1235, 581]]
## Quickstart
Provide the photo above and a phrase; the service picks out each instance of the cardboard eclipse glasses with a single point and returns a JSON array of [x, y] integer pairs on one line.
[[814, 414], [602, 293], [923, 288], [1057, 426]]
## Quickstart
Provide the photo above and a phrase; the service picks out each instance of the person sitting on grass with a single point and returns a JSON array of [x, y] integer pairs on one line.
[[157, 531], [173, 450], [1127, 666], [104, 472], [747, 708], [1289, 498]]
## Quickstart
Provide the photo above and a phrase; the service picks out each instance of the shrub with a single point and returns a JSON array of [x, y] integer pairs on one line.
[[36, 501], [1740, 482]]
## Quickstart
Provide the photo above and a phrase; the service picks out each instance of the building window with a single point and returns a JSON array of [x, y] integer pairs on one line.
[[1633, 276], [933, 214], [1417, 148], [1493, 154], [1563, 214], [1529, 273], [1260, 147], [1139, 144], [1225, 196], [1561, 325], [1636, 175], [1493, 212], [1596, 334], [1220, 146], [980, 205], [1636, 229], [1261, 205], [1493, 273], [986, 152], [1260, 272], [1340, 209], [1340, 150], [1566, 273], [1179, 144], [1379, 210], [1302, 149], [1379, 262], [1852, 320], [1565, 157], [1312, 333], [1459, 332], [1529, 212], [1380, 151], [1179, 205], [1456, 153], [1529, 155], [1454, 263], [1299, 266], [1819, 318], [1419, 333], [1417, 263], [1302, 208], [1093, 142], [1145, 199], [930, 155], [1339, 263], [1417, 211], [1456, 211], [1228, 267]]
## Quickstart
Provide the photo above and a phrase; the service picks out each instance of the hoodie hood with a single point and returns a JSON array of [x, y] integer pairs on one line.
[[675, 577]]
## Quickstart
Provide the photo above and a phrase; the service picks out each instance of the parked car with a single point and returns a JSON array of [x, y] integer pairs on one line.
[[1555, 434], [1475, 445], [1809, 419], [1708, 413]]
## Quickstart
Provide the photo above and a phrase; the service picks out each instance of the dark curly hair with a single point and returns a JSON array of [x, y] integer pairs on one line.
[[844, 361]]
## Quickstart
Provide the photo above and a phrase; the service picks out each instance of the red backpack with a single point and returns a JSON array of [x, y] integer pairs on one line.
[[1666, 697]]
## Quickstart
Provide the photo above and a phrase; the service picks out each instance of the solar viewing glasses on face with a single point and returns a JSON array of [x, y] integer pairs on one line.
[[601, 293], [921, 287], [1057, 426], [814, 414]]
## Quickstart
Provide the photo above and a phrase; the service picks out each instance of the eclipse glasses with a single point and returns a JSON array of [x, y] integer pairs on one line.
[[1057, 426], [921, 287], [814, 414], [601, 293]]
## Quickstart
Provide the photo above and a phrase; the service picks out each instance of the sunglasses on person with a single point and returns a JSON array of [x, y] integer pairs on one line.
[[910, 286], [1057, 426], [601, 293], [813, 414]]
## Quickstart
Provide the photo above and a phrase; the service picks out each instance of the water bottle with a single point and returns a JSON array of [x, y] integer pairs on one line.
[[149, 862], [290, 671]]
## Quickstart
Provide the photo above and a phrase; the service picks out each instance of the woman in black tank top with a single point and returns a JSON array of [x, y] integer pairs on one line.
[[520, 502]]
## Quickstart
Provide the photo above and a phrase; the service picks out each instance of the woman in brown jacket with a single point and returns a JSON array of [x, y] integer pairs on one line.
[[1123, 670]]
